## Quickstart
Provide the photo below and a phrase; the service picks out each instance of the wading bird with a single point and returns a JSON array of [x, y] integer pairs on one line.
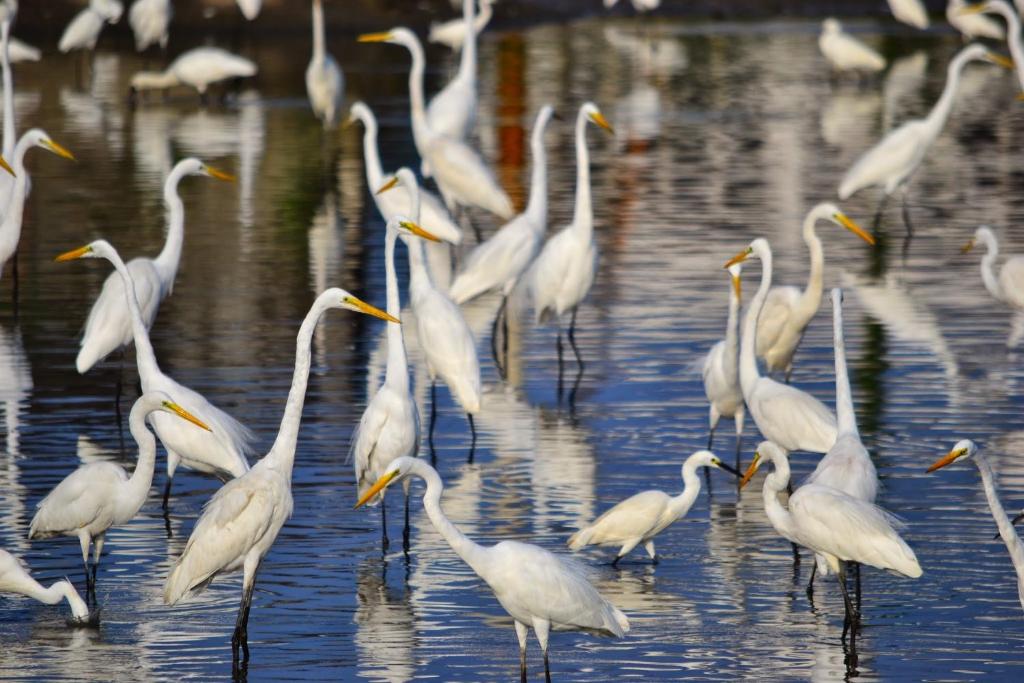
[[966, 450], [846, 53], [250, 8], [15, 578], [150, 20], [452, 112], [1013, 28], [721, 371], [963, 19], [84, 29], [325, 84], [100, 495], [536, 587], [198, 68], [453, 32], [831, 523], [641, 517], [910, 12], [242, 520], [1008, 286], [786, 415]]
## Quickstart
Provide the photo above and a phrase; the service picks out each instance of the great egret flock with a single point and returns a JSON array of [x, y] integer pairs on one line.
[[540, 276]]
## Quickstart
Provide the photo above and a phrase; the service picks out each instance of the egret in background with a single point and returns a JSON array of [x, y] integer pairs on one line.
[[15, 578], [846, 53], [971, 25], [721, 372], [198, 68], [641, 517], [325, 84], [452, 112], [242, 520], [150, 20], [100, 495], [84, 29], [453, 32], [966, 450], [1008, 286], [10, 135], [536, 587], [1013, 27], [911, 12], [250, 8]]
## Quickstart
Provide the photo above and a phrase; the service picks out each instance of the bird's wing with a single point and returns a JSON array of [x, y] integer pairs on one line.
[[629, 519], [77, 500], [502, 257], [896, 155], [549, 270], [801, 414], [777, 309], [858, 52], [1011, 280], [459, 165], [366, 434]]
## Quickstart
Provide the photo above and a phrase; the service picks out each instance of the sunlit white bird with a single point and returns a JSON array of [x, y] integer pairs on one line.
[[198, 68], [560, 277], [150, 20], [222, 451], [786, 415], [390, 425], [845, 52], [1008, 286], [20, 51], [250, 8], [242, 520], [325, 84], [452, 112], [967, 450], [641, 517], [462, 176], [10, 139], [453, 33], [1013, 31], [15, 578], [84, 29], [892, 162], [721, 370], [538, 589], [970, 24], [788, 310], [910, 12], [833, 524], [100, 495]]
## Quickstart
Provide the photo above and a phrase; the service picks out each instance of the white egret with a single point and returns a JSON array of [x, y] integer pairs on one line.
[[250, 8], [892, 162], [1013, 30], [444, 337], [721, 370], [100, 495], [9, 133], [833, 524], [325, 83], [109, 325], [641, 517], [560, 277], [462, 176], [453, 33], [198, 68], [390, 425], [20, 51], [15, 578], [1008, 286], [433, 216], [221, 452], [786, 415], [536, 587], [452, 112], [910, 12], [84, 29], [10, 228], [787, 311], [970, 24], [966, 450], [242, 520], [150, 20], [845, 52]]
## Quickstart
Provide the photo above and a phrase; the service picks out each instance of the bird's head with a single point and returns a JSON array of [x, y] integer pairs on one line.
[[396, 36], [983, 233], [194, 166], [336, 297], [96, 249], [594, 115], [961, 451], [765, 450], [399, 469], [831, 25], [406, 228], [37, 137], [358, 112], [830, 212], [158, 401], [757, 248], [709, 459]]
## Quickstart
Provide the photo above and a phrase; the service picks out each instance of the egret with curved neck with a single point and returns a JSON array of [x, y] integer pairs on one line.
[[1013, 34], [452, 112], [1008, 286], [15, 578], [453, 33], [721, 371]]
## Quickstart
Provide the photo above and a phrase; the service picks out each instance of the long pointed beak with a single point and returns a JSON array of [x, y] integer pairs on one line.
[[57, 149], [945, 460], [347, 123], [739, 258], [181, 412], [737, 286], [371, 310], [848, 223], [219, 174], [1000, 60], [729, 468], [420, 232], [972, 9], [74, 253], [7, 167], [598, 118], [376, 488], [751, 470], [967, 247], [387, 186], [381, 37]]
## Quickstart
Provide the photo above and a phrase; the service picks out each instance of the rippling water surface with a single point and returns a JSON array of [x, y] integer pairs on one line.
[[723, 132]]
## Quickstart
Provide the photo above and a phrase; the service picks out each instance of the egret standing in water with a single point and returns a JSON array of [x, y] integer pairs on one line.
[[911, 12], [452, 112], [198, 68], [325, 84], [150, 20], [538, 589], [242, 520], [1013, 28], [964, 18], [721, 371], [453, 32], [1008, 286], [846, 53], [966, 450], [15, 578], [84, 29], [641, 517]]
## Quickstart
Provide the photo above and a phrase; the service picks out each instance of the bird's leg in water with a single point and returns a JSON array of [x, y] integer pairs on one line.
[[433, 418], [879, 212], [909, 226], [472, 443], [167, 494], [240, 638], [14, 283], [384, 542], [810, 582], [558, 344], [572, 341], [739, 447], [852, 619], [405, 530], [856, 568], [796, 549], [498, 363], [522, 631]]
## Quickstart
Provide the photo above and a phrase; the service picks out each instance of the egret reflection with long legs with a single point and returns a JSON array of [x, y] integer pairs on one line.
[[474, 229]]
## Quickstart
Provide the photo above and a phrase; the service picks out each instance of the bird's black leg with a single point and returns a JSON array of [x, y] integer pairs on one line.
[[433, 419], [384, 542], [240, 637], [810, 582], [856, 567], [88, 580], [472, 443], [547, 669], [494, 339], [852, 620], [405, 530], [739, 449], [879, 212], [167, 494], [796, 548], [572, 341], [558, 344], [14, 283], [522, 665]]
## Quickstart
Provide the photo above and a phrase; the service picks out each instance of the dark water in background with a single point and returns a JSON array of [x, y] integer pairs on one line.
[[724, 132]]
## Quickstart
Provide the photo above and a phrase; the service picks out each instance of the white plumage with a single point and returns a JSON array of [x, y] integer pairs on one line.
[[325, 83], [721, 371], [453, 32], [845, 52], [20, 51], [452, 112], [150, 20], [1008, 286], [198, 68], [910, 12], [972, 25], [84, 29], [15, 578], [1013, 30], [250, 8]]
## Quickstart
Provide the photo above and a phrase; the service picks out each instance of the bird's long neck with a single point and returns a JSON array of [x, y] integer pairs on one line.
[[318, 31], [9, 139], [844, 397], [486, 12], [471, 552], [467, 67], [418, 111], [1013, 37], [749, 373], [58, 591], [142, 477], [537, 207], [732, 338], [940, 112], [1006, 530], [583, 217], [397, 374], [16, 202], [374, 170], [419, 269], [144, 354], [988, 268], [810, 299], [681, 504], [170, 256], [774, 484]]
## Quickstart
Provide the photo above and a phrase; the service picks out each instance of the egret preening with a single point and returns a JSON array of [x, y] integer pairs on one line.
[[462, 176], [1008, 286], [536, 587], [15, 578], [786, 415], [390, 426], [787, 311], [721, 371], [965, 19], [325, 84], [892, 162], [242, 520], [846, 53], [453, 33], [641, 517], [910, 12], [452, 112], [109, 325], [448, 346], [222, 451], [84, 29], [965, 450], [198, 68], [833, 524], [560, 277], [100, 495], [150, 20], [1013, 36]]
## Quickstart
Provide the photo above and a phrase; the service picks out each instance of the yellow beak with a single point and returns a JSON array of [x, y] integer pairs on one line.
[[945, 460], [854, 228], [376, 488], [967, 247], [375, 37], [1000, 60], [387, 186], [74, 253], [57, 149], [218, 174], [737, 286], [739, 258], [371, 310], [7, 167], [186, 415], [419, 232], [598, 118], [972, 9], [751, 470]]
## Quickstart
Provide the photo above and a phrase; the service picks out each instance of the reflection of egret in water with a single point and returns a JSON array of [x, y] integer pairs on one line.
[[849, 119], [386, 637], [98, 113], [15, 385], [904, 79], [326, 254], [151, 142], [89, 452], [651, 53]]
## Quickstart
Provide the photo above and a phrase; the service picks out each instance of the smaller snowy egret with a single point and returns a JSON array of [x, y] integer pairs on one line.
[[845, 52], [1008, 286], [911, 12], [960, 16], [15, 578]]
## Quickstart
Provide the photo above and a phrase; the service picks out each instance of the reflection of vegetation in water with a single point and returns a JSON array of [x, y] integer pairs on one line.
[[868, 375]]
